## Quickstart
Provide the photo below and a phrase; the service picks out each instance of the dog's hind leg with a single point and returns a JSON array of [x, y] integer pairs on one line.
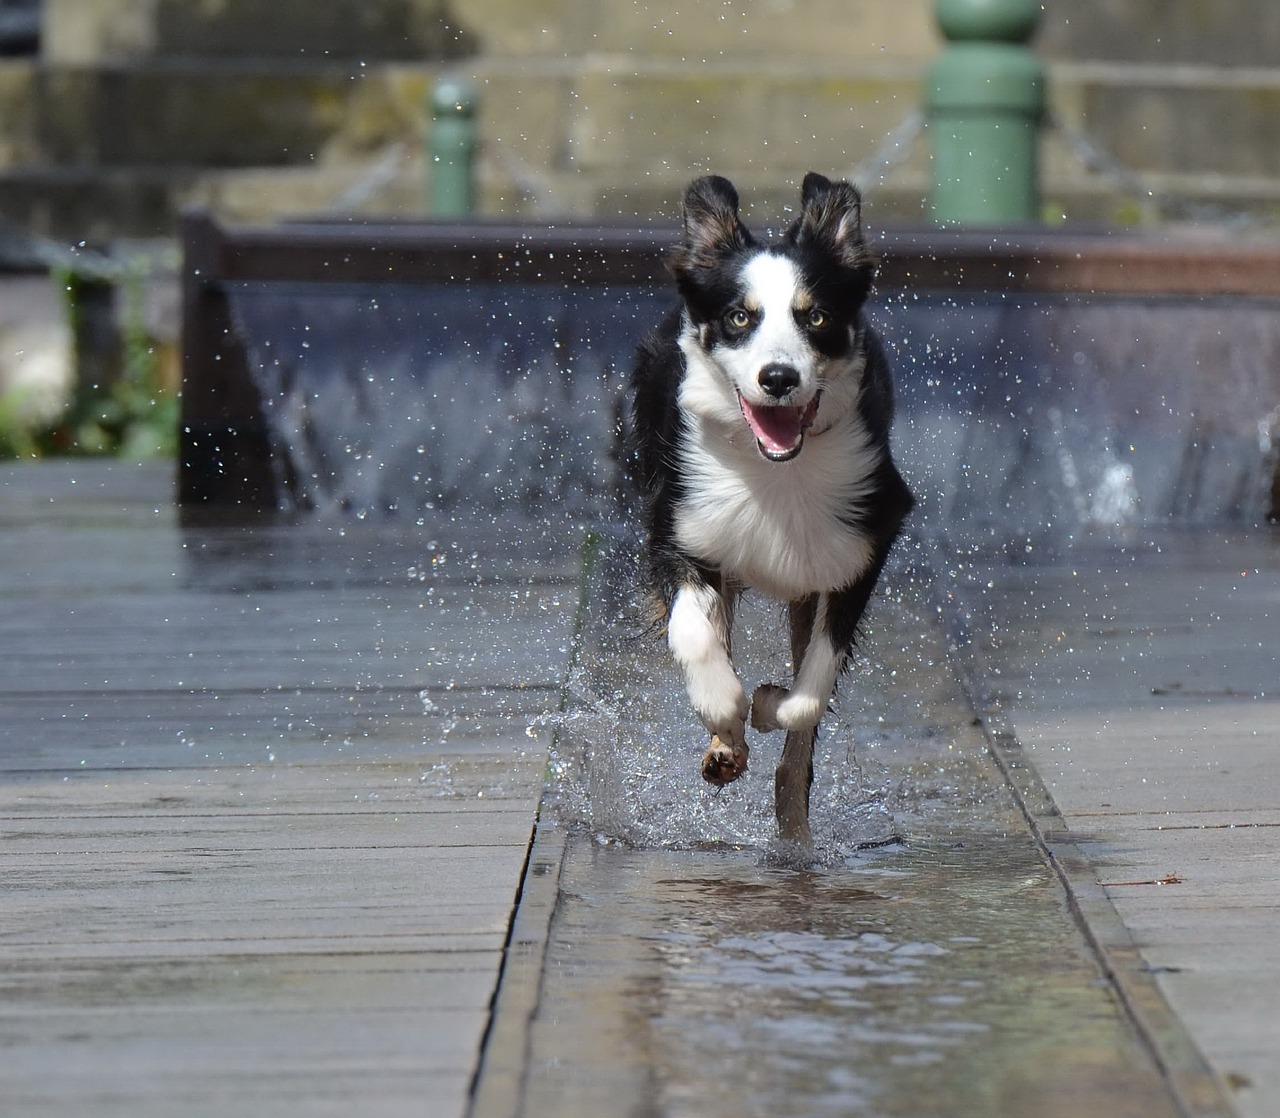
[[822, 636], [791, 783], [794, 775]]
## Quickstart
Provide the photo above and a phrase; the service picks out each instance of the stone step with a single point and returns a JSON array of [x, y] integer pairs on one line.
[[1223, 33], [174, 113], [80, 33], [596, 113], [1228, 33], [1185, 119], [594, 134]]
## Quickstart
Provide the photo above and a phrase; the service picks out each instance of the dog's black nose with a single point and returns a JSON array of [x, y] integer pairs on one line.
[[779, 380]]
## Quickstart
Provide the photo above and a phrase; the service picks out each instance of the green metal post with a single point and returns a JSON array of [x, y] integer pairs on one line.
[[452, 147], [984, 103]]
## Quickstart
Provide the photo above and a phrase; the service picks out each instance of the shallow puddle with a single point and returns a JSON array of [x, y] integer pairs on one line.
[[920, 961], [927, 980]]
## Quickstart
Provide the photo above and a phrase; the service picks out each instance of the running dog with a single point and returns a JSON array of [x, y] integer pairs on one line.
[[759, 437]]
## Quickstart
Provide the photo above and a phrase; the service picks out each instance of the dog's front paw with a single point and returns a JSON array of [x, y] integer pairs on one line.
[[764, 707], [776, 708], [724, 760]]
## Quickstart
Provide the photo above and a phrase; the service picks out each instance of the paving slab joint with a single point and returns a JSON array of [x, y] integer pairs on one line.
[[497, 1088], [1195, 1087]]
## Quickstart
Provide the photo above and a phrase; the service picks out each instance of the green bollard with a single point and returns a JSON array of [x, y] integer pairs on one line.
[[452, 147], [984, 103]]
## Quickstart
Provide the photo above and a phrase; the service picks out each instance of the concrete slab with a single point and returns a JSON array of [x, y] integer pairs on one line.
[[265, 801], [1142, 686], [266, 796], [692, 970]]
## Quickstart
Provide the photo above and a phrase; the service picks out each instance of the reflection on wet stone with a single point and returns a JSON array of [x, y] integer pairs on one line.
[[942, 981], [921, 962]]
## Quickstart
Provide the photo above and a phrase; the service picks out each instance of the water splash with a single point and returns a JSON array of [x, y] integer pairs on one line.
[[1030, 416], [411, 399], [625, 758]]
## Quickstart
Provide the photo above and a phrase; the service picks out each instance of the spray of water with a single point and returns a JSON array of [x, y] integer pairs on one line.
[[1040, 420], [626, 749]]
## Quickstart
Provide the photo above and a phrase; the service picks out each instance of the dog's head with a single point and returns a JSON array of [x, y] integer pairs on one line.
[[778, 323]]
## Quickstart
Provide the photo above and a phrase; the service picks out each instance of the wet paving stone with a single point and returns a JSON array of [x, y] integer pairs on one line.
[[266, 792], [922, 960], [943, 980]]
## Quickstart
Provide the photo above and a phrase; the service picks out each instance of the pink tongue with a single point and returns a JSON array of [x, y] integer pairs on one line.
[[777, 429]]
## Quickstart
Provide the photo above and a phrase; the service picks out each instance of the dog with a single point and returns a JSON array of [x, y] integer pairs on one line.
[[758, 430]]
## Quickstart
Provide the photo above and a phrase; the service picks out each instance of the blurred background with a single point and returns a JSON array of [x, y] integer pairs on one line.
[[117, 114]]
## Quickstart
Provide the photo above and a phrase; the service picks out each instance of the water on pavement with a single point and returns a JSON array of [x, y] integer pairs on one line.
[[921, 961]]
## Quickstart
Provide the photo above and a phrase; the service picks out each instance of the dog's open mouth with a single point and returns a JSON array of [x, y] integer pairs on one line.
[[779, 429]]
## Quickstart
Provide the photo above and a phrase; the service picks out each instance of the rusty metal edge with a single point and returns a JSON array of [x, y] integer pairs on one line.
[[502, 1069], [1043, 261], [1196, 1088]]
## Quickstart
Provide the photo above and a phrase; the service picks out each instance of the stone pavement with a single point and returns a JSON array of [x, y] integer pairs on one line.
[[1143, 689], [266, 798]]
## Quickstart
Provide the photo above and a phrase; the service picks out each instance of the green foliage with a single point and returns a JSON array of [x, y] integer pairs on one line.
[[129, 413], [17, 440]]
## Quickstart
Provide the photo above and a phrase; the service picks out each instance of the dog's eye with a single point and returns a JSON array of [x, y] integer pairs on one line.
[[817, 318], [739, 319]]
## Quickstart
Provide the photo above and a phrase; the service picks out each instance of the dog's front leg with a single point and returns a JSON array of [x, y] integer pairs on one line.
[[698, 627], [792, 781], [818, 658]]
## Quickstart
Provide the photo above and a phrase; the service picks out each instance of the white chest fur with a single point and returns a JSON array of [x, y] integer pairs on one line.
[[780, 527]]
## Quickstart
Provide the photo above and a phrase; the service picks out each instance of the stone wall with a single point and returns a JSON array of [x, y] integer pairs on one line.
[[93, 32], [1186, 93], [603, 107]]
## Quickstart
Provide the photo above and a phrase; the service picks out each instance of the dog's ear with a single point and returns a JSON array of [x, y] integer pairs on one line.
[[831, 215], [711, 224]]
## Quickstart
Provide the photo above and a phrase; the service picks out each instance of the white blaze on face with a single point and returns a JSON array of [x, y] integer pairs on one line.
[[773, 290]]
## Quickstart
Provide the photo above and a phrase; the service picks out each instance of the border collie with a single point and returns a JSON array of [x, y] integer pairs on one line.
[[759, 432]]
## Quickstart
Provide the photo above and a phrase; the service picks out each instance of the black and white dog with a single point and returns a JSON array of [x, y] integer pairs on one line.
[[759, 429]]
